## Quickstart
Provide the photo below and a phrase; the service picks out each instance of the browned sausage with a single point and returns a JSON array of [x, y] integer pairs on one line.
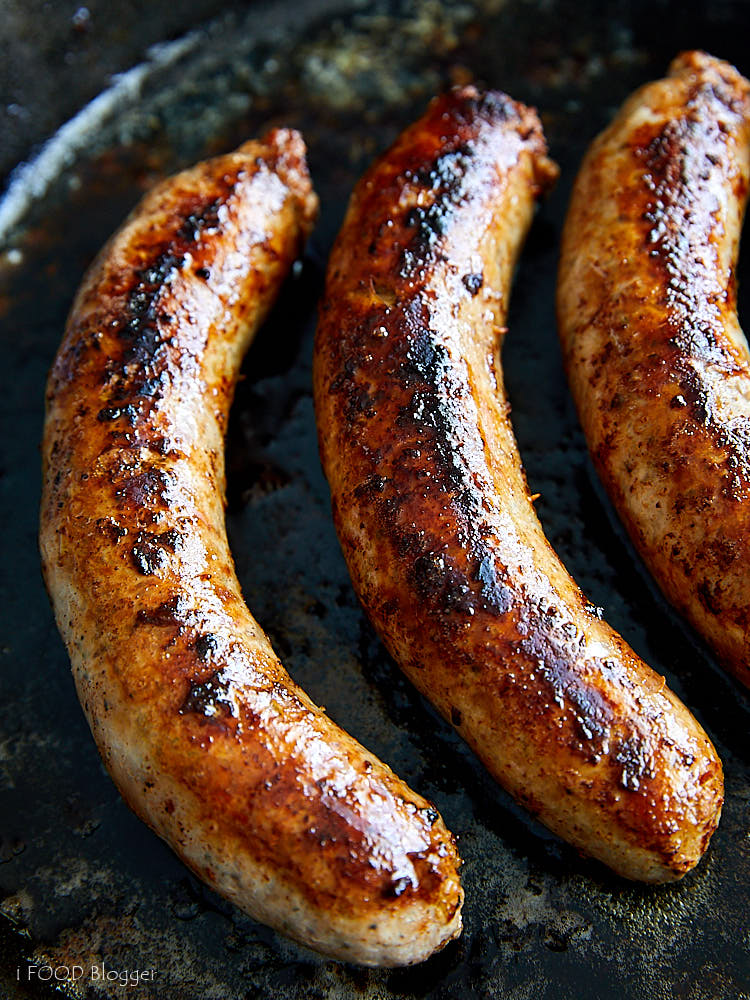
[[656, 359], [434, 514], [205, 734]]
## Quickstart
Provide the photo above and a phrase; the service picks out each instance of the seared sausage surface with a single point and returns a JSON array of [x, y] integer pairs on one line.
[[434, 515], [655, 356], [201, 728]]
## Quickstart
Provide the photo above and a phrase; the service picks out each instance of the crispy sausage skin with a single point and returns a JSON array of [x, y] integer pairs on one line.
[[205, 734], [656, 359], [434, 515]]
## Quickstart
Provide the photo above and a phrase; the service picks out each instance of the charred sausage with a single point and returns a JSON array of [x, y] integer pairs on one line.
[[205, 734], [434, 514], [655, 356]]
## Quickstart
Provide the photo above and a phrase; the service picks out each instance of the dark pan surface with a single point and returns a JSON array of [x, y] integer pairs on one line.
[[82, 881]]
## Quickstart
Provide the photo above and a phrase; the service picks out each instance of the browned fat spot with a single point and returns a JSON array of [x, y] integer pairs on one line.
[[210, 697], [149, 559], [205, 218], [111, 529], [163, 446], [154, 387], [436, 579], [445, 179], [171, 539], [147, 489], [429, 814], [470, 105], [473, 282], [207, 645], [428, 881], [150, 551], [358, 402], [176, 611], [109, 413], [398, 886], [141, 329], [371, 487]]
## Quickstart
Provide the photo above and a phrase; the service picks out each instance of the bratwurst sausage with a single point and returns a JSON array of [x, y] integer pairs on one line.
[[205, 734], [434, 515], [657, 362]]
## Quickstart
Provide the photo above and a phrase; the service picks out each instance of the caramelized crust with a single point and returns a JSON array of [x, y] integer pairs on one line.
[[657, 362], [434, 515], [205, 734]]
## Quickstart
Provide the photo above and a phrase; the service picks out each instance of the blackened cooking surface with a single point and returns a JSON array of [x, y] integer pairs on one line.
[[82, 881]]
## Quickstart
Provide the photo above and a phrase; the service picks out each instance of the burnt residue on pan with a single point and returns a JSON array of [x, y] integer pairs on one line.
[[82, 881]]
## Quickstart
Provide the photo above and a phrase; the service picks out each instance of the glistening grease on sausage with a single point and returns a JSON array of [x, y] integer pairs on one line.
[[205, 734], [656, 359], [434, 515]]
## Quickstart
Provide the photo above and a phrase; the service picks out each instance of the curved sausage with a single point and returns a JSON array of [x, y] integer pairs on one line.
[[205, 734], [434, 514], [656, 359]]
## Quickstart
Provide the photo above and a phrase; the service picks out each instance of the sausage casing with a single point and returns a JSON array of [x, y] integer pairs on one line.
[[203, 731], [434, 515]]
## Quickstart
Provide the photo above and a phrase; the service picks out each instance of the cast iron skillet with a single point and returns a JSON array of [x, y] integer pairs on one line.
[[82, 881]]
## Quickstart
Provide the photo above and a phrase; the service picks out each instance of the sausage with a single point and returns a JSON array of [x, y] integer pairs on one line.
[[205, 734], [434, 514], [657, 362]]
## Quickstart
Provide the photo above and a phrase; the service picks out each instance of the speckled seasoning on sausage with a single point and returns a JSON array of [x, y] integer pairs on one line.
[[205, 734], [655, 356], [434, 515]]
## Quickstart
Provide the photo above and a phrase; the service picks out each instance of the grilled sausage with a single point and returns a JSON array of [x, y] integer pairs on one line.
[[434, 515], [205, 734], [656, 359]]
